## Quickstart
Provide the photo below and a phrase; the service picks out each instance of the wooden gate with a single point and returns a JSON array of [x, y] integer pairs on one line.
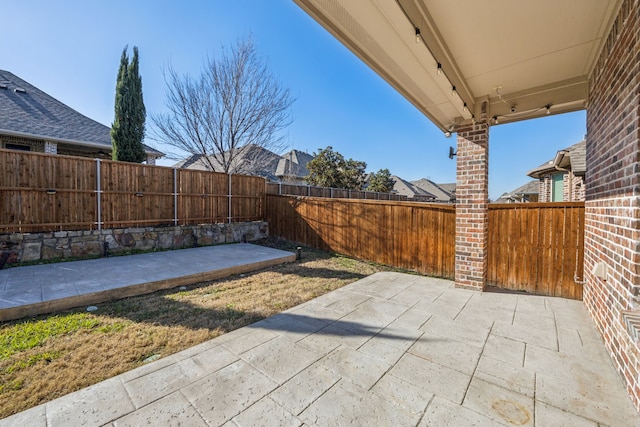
[[537, 248]]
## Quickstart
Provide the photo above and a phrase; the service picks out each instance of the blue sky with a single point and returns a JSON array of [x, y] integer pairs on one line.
[[71, 50]]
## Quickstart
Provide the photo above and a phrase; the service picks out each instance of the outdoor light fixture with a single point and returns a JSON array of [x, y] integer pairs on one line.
[[439, 68], [453, 91], [139, 194], [548, 107], [450, 130], [51, 191], [464, 108], [417, 35], [452, 153], [495, 120]]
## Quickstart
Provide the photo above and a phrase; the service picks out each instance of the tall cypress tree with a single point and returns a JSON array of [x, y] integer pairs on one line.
[[127, 130]]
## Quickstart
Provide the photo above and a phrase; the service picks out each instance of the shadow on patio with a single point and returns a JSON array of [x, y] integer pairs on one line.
[[390, 349]]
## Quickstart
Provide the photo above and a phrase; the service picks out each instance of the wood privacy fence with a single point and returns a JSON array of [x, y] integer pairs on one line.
[[283, 189], [532, 247], [415, 236], [41, 192], [537, 248]]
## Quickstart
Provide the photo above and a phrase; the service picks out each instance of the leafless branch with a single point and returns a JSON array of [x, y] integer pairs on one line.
[[230, 115]]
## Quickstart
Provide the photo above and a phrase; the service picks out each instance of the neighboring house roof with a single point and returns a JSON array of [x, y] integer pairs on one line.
[[293, 165], [449, 187], [429, 186], [573, 158], [252, 160], [406, 188], [186, 163], [530, 188], [27, 111]]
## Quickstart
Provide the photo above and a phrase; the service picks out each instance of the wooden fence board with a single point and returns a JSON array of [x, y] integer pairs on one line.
[[136, 195], [247, 201], [131, 195], [532, 247], [537, 248], [42, 189], [203, 198], [386, 232]]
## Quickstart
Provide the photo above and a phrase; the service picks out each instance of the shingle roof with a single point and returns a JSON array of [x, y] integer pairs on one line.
[[573, 157], [293, 164], [253, 159], [433, 188], [449, 187], [406, 188], [28, 111], [578, 154], [531, 187]]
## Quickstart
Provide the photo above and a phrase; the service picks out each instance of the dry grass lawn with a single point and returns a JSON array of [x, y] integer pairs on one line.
[[45, 357]]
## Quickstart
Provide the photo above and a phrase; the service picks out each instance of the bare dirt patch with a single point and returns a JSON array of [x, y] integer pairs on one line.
[[46, 357]]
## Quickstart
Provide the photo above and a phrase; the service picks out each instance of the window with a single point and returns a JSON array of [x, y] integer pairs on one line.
[[557, 187], [19, 147]]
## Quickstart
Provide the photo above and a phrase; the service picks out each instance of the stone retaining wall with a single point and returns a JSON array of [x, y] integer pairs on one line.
[[25, 247]]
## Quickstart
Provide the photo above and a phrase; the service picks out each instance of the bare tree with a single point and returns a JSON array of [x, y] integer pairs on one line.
[[231, 116]]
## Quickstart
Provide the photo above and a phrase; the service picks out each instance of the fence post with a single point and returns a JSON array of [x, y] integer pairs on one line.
[[331, 193], [280, 188], [99, 195], [175, 196], [229, 197], [308, 191]]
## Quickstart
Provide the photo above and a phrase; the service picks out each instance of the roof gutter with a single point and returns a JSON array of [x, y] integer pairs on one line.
[[558, 160], [67, 141], [552, 166]]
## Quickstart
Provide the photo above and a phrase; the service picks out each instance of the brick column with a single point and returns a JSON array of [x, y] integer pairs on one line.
[[472, 200]]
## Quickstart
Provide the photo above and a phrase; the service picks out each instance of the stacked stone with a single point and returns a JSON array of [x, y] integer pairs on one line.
[[28, 247]]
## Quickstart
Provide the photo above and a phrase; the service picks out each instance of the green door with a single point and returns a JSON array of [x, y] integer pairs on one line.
[[557, 189]]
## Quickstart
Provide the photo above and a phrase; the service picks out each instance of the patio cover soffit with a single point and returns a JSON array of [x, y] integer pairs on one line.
[[508, 60]]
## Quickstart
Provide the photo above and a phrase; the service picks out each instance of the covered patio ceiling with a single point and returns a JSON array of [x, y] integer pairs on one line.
[[507, 60]]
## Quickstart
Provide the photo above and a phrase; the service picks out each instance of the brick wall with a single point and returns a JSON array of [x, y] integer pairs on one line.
[[40, 146], [577, 189], [472, 195], [612, 207], [36, 145], [573, 189], [544, 189]]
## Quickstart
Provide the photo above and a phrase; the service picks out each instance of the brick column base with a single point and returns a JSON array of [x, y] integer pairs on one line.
[[472, 202]]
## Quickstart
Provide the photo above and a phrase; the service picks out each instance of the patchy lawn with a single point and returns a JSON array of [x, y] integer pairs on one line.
[[46, 357]]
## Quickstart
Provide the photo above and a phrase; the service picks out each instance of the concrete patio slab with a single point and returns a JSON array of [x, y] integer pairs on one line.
[[499, 404], [507, 376], [349, 404], [442, 412], [39, 289], [371, 355]]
